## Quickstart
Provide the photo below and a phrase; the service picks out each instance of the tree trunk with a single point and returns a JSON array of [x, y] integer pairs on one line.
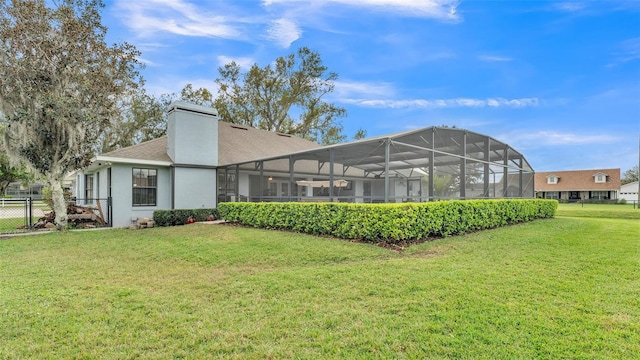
[[59, 203], [3, 187]]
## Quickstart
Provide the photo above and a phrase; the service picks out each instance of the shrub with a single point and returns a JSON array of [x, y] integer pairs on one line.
[[622, 201], [388, 222], [182, 216]]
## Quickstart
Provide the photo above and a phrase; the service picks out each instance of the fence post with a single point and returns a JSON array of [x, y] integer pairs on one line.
[[30, 199]]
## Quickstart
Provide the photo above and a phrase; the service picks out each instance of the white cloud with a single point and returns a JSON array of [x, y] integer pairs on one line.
[[443, 103], [347, 89], [550, 137], [244, 62], [437, 9], [179, 17], [569, 6], [283, 32], [629, 50], [494, 58]]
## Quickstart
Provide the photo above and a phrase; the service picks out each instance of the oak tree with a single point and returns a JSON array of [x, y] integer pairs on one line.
[[60, 85], [286, 96], [630, 175], [145, 116]]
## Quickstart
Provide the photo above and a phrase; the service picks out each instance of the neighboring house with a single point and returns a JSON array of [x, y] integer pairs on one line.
[[629, 192], [574, 185], [203, 161]]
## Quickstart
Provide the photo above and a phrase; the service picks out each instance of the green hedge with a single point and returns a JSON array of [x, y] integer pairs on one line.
[[181, 216], [388, 222]]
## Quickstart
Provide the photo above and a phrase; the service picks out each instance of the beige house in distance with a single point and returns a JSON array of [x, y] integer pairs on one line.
[[574, 185]]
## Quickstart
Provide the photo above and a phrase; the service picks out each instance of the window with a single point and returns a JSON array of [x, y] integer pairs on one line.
[[600, 195], [552, 179], [88, 188], [552, 195], [145, 184], [600, 178]]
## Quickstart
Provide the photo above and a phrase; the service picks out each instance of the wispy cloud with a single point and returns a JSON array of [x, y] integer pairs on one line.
[[569, 6], [628, 50], [347, 89], [244, 62], [437, 9], [550, 137], [494, 58], [443, 103], [179, 17], [283, 32]]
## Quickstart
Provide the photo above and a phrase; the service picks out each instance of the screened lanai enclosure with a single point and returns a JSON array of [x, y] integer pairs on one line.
[[420, 165]]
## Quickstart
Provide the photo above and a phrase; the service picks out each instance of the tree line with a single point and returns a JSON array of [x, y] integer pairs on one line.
[[66, 95]]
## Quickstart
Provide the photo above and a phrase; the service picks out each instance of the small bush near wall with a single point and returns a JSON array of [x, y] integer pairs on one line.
[[388, 222], [182, 216]]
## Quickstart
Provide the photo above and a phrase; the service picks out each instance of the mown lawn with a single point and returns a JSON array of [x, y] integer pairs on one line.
[[614, 211], [557, 288]]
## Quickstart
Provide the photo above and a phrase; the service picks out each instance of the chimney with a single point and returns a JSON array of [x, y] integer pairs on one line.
[[192, 134]]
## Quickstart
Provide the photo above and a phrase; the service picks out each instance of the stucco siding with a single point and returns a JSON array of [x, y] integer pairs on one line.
[[122, 194], [194, 188]]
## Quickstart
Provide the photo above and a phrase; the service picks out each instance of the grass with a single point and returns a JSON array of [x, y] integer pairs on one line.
[[11, 225], [613, 211], [557, 288]]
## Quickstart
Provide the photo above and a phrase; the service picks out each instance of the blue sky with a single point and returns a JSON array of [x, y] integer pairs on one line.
[[558, 81]]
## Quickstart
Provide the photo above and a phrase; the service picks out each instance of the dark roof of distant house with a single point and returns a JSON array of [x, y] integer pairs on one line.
[[236, 144], [578, 180]]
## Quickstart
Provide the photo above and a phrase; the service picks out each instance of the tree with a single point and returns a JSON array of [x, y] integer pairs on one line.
[[268, 98], [145, 117], [630, 175], [8, 172], [360, 134], [61, 85]]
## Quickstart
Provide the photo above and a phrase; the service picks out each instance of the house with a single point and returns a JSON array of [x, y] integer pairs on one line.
[[574, 185], [203, 161], [629, 192]]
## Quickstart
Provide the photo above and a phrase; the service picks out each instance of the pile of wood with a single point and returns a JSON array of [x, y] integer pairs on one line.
[[80, 216], [142, 223]]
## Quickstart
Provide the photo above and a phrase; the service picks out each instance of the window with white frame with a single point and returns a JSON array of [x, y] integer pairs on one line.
[[552, 179], [88, 188], [600, 178], [145, 184]]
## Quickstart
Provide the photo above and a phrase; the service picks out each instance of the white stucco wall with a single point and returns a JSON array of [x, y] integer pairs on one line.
[[358, 189], [194, 188], [243, 184], [122, 194]]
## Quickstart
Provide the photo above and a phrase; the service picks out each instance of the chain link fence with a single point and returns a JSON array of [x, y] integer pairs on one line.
[[23, 215], [16, 215]]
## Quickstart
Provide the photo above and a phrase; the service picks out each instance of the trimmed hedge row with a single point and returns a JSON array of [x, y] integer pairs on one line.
[[182, 216], [388, 222]]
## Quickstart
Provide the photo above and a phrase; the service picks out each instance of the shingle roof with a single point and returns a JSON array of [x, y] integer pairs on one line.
[[155, 149], [240, 143], [578, 180], [235, 144]]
